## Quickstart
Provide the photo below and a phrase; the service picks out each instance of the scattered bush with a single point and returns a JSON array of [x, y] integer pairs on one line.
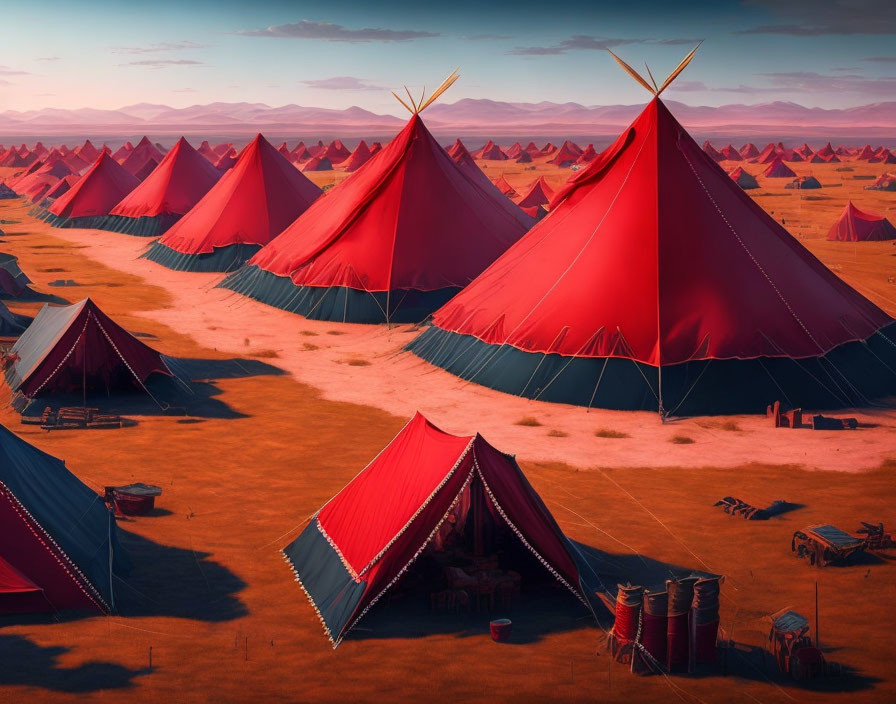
[[610, 433], [528, 421]]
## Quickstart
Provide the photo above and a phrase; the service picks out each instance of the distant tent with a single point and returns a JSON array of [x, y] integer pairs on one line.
[[389, 244], [11, 325], [222, 148], [61, 187], [144, 155], [359, 157], [468, 165], [866, 153], [524, 157], [885, 156], [490, 152], [316, 149], [423, 488], [566, 155], [76, 162], [122, 152], [337, 152], [538, 193], [819, 158], [505, 187], [768, 155], [842, 151], [826, 151], [514, 150], [657, 283], [778, 169], [804, 183], [178, 183], [35, 185], [208, 151], [79, 349], [793, 155], [548, 149], [14, 159], [375, 147], [226, 160], [298, 153], [749, 151], [13, 281], [854, 225], [886, 182], [283, 149], [731, 154], [743, 178], [587, 156], [93, 196], [87, 152], [40, 150], [532, 149], [60, 548], [712, 152], [252, 203], [318, 163]]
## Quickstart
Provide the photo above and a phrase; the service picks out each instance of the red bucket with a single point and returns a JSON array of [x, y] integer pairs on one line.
[[501, 628], [130, 505]]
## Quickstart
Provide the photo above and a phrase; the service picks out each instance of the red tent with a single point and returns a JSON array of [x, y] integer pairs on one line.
[[375, 147], [712, 152], [336, 152], [802, 183], [178, 183], [768, 155], [250, 205], [778, 169], [826, 151], [866, 153], [743, 178], [456, 148], [566, 155], [284, 150], [731, 154], [77, 163], [358, 158], [144, 155], [318, 163], [886, 182], [226, 160], [804, 151], [548, 149], [524, 157], [819, 158], [122, 152], [87, 152], [749, 151], [222, 148], [15, 159], [391, 243], [885, 156], [532, 149], [505, 188], [79, 349], [40, 150], [427, 490], [793, 155], [490, 152], [468, 165], [61, 186], [514, 151], [539, 193], [656, 282], [587, 156], [300, 153], [93, 196], [855, 225], [207, 151], [316, 149]]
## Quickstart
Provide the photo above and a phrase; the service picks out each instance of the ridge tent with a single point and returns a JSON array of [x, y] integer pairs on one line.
[[60, 548], [538, 193], [778, 169], [425, 489], [13, 281], [177, 184], [360, 156], [251, 204], [803, 183], [743, 178], [389, 244], [78, 348], [99, 190], [855, 225], [657, 283]]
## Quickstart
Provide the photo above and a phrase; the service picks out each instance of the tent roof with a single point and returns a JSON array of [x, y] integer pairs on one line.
[[97, 191], [539, 193], [251, 203], [144, 153], [653, 253], [855, 225]]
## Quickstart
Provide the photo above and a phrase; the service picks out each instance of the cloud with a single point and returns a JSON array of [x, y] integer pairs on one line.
[[811, 18], [701, 87], [342, 83], [155, 48], [330, 32], [881, 59], [7, 71], [48, 58], [159, 63], [810, 82], [486, 37], [587, 42]]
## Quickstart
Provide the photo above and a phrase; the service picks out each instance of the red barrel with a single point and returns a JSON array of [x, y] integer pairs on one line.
[[653, 618], [705, 635], [501, 628]]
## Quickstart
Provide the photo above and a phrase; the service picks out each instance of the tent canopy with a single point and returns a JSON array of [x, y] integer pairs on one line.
[[855, 225]]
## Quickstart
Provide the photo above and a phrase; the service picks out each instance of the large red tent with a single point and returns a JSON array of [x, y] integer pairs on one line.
[[252, 203], [657, 283], [426, 489], [855, 225]]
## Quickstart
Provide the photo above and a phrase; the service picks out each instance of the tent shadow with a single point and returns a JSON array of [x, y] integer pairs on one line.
[[176, 582], [29, 295], [25, 663]]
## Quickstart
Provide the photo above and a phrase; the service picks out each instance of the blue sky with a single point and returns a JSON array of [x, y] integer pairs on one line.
[[105, 54]]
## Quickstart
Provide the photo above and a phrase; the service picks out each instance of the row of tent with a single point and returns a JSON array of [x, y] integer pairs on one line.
[[825, 155]]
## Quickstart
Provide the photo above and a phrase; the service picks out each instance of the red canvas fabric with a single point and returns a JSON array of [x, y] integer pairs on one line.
[[731, 154], [12, 581], [62, 186], [587, 156], [566, 155], [251, 204], [318, 163], [855, 225], [749, 151], [778, 169], [358, 158], [97, 192], [712, 152], [178, 183], [866, 153], [653, 253], [539, 193], [491, 151], [505, 188], [122, 152], [514, 150], [410, 219], [87, 152], [743, 178], [142, 156], [336, 152], [206, 150], [885, 156]]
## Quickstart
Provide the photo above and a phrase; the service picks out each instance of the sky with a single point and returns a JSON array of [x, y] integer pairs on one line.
[[106, 54]]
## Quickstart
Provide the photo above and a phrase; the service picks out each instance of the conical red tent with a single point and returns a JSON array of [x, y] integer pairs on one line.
[[375, 147], [122, 152], [533, 149], [587, 156], [457, 148], [284, 150], [14, 159], [842, 151], [252, 203], [40, 150], [884, 157], [318, 163], [143, 155], [336, 152], [524, 158], [79, 349], [866, 153], [778, 169], [391, 243], [819, 158], [490, 152], [177, 184], [566, 155], [358, 158], [316, 149], [793, 155], [296, 154], [505, 188], [222, 148], [514, 150], [87, 152], [96, 193], [548, 149], [60, 548], [826, 151], [749, 151], [768, 155], [854, 225], [712, 152], [226, 160], [539, 193], [404, 504], [731, 154], [657, 283], [743, 178], [76, 163], [14, 180], [206, 150], [61, 186]]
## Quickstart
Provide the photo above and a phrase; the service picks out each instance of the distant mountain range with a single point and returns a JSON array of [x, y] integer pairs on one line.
[[465, 117]]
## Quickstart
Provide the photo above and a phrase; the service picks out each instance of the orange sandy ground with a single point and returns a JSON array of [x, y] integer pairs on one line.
[[213, 599]]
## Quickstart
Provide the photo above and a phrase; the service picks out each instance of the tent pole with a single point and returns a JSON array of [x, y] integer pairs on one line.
[[84, 374], [388, 298], [659, 373]]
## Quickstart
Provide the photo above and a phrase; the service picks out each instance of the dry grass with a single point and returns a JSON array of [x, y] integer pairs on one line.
[[265, 354], [335, 332], [354, 362], [681, 440], [610, 433], [310, 347], [557, 434], [308, 333], [729, 425], [529, 421]]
